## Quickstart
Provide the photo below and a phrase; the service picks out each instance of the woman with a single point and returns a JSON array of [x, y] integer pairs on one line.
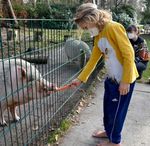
[[110, 40], [138, 43]]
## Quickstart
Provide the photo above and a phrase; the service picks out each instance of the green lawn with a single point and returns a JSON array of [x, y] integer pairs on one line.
[[146, 73]]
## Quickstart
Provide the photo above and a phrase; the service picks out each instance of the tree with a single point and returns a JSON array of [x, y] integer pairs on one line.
[[7, 10], [1, 13], [146, 13], [12, 12], [118, 3], [147, 3], [125, 14]]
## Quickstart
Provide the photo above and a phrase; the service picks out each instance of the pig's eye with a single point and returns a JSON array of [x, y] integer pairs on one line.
[[44, 89]]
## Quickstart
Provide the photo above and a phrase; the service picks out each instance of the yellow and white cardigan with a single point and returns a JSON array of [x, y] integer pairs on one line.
[[112, 42]]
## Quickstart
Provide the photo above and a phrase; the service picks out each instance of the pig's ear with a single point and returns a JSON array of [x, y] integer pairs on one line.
[[21, 72]]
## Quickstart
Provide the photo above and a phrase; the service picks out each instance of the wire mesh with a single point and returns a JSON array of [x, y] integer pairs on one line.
[[32, 57]]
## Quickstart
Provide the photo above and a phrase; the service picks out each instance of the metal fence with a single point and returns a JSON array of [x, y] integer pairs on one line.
[[32, 57]]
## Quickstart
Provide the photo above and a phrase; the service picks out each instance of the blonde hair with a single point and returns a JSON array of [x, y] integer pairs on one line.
[[88, 12]]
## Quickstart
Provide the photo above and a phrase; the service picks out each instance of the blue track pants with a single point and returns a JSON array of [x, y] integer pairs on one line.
[[115, 109]]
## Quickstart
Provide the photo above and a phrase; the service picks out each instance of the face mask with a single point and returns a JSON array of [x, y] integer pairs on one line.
[[131, 35], [93, 31]]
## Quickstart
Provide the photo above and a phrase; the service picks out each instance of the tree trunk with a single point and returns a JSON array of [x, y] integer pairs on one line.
[[118, 3], [12, 12], [33, 2], [1, 13]]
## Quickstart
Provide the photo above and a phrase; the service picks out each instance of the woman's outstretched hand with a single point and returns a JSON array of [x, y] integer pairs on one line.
[[75, 82]]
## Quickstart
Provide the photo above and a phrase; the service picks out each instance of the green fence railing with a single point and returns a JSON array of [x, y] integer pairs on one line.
[[31, 58]]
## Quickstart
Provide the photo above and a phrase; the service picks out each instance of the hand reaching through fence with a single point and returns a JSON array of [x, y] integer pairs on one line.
[[73, 84], [76, 82], [53, 87]]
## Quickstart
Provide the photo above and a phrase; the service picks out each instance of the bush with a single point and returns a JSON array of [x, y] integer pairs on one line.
[[145, 19], [125, 14], [43, 11], [124, 19], [20, 10]]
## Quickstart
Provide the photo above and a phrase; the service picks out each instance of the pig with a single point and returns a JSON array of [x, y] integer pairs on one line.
[[14, 74]]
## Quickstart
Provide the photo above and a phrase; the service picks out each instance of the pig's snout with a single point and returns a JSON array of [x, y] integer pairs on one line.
[[48, 87], [52, 87]]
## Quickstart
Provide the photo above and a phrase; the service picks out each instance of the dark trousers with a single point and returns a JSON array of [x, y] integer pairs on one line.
[[115, 109], [141, 66]]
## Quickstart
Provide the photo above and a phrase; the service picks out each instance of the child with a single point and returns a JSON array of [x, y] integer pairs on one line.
[[110, 40]]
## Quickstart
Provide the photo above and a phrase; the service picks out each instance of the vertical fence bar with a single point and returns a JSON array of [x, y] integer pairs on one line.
[[36, 125], [16, 126], [2, 55], [8, 51], [25, 47], [24, 109], [50, 80], [43, 72], [40, 45], [32, 83]]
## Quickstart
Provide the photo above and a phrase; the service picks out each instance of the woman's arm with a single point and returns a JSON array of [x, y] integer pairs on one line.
[[91, 64], [119, 36]]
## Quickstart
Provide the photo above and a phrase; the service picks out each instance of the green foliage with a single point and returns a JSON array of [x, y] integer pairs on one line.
[[18, 7], [145, 19], [20, 10], [125, 14], [127, 9], [124, 19], [64, 126], [62, 11], [147, 3], [146, 73], [146, 14], [44, 11]]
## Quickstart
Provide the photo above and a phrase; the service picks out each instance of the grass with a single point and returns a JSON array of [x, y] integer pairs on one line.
[[146, 73], [64, 126]]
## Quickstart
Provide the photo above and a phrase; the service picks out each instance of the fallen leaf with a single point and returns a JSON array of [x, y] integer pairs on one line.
[[79, 110], [56, 137], [81, 104], [35, 127]]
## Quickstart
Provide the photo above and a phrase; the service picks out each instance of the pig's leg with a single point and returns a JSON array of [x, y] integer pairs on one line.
[[2, 120], [13, 111]]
